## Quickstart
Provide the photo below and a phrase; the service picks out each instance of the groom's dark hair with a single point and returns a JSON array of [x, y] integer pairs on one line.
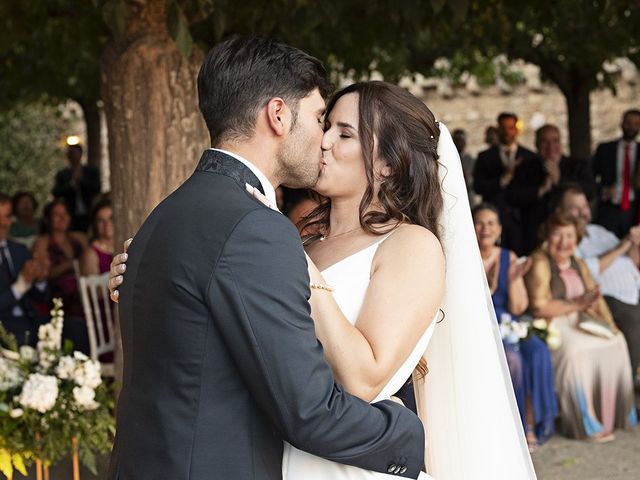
[[241, 74]]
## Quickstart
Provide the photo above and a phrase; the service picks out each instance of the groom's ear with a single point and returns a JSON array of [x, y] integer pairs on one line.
[[278, 116]]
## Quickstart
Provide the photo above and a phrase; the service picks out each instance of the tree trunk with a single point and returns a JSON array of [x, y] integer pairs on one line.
[[156, 132], [576, 85], [578, 101], [94, 140]]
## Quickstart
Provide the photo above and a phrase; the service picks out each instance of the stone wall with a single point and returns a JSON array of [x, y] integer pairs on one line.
[[475, 111]]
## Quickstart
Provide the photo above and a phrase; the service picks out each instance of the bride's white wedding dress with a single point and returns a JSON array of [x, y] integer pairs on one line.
[[350, 279]]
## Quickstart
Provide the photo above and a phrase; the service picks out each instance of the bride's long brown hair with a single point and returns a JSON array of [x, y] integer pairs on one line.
[[407, 139]]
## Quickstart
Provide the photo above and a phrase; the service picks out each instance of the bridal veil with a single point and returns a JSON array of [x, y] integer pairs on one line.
[[466, 401]]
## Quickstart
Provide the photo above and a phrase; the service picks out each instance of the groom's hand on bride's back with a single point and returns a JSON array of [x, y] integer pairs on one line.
[[118, 267]]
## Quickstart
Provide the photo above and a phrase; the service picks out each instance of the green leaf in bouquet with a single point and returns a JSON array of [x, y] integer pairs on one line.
[[8, 339], [67, 348], [88, 459]]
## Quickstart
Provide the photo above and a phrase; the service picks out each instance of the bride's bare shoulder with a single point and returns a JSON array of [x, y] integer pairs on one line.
[[413, 242]]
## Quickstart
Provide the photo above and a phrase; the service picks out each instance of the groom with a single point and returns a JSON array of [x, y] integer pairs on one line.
[[221, 361]]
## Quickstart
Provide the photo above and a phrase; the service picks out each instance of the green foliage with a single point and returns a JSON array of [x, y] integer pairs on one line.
[[569, 40], [114, 14], [179, 29], [32, 148], [50, 49]]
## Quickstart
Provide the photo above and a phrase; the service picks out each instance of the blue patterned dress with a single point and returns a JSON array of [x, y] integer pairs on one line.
[[529, 364]]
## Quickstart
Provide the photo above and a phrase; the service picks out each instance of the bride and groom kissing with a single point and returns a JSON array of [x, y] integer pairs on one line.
[[247, 358]]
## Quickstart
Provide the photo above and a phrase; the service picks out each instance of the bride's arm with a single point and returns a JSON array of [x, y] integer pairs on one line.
[[402, 299]]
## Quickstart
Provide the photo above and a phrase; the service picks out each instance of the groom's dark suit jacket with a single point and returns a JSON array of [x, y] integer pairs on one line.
[[221, 361]]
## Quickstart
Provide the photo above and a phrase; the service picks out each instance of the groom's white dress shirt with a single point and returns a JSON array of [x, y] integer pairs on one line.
[[269, 191]]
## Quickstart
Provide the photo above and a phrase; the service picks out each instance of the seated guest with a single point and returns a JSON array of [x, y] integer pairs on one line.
[[21, 283], [591, 367], [97, 258], [534, 389], [614, 265], [63, 248], [25, 226], [494, 171]]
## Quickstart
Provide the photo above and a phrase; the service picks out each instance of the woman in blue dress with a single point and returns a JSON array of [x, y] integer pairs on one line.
[[529, 359]]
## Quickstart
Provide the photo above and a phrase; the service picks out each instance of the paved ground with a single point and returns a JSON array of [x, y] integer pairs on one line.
[[564, 459], [559, 459]]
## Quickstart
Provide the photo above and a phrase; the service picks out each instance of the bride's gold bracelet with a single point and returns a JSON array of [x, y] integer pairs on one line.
[[321, 286]]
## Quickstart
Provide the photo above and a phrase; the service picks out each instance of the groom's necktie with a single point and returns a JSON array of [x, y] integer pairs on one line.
[[223, 164]]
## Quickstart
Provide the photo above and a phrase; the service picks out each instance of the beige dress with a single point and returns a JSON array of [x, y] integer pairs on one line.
[[593, 376]]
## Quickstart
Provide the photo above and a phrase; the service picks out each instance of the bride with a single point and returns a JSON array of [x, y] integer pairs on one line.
[[396, 208]]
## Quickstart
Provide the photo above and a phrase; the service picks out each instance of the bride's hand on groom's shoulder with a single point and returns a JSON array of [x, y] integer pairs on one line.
[[259, 196], [118, 267]]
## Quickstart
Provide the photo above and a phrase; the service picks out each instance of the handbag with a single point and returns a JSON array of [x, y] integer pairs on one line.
[[595, 326]]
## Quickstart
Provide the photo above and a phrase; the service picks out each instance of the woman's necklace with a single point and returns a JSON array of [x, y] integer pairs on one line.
[[325, 237]]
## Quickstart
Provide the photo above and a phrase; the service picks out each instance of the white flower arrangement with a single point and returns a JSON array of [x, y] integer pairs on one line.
[[50, 399], [511, 330]]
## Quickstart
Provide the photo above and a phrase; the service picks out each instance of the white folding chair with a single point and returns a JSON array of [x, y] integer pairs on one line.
[[96, 304]]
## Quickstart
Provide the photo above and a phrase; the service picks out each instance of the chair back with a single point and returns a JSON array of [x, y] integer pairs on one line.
[[98, 312]]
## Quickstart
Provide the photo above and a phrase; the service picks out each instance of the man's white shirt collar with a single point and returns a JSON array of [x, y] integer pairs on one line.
[[269, 191]]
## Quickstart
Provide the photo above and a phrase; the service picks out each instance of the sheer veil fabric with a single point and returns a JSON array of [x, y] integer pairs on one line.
[[466, 402]]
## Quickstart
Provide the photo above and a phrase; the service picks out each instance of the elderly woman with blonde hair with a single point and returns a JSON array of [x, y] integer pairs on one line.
[[591, 367]]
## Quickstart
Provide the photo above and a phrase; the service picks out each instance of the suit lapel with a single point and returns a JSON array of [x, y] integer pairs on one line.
[[222, 164]]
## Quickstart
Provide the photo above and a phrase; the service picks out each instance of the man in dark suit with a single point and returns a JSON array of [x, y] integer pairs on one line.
[[537, 182], [493, 173], [616, 170], [21, 283], [78, 185], [221, 361]]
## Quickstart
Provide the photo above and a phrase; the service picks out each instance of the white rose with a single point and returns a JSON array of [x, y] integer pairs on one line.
[[521, 329], [87, 374], [553, 329], [9, 375], [85, 398], [80, 356], [540, 323], [554, 343], [39, 392], [66, 367], [28, 353], [16, 413]]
